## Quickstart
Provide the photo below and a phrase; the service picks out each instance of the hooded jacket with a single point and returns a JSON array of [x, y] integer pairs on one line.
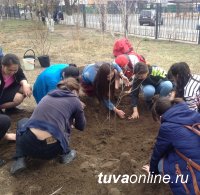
[[47, 81], [55, 113], [173, 135]]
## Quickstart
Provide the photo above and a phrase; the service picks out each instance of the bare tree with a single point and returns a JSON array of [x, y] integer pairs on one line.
[[70, 5], [102, 13], [40, 38], [124, 8]]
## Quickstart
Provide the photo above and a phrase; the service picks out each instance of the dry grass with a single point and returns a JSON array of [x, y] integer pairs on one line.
[[82, 46], [70, 44]]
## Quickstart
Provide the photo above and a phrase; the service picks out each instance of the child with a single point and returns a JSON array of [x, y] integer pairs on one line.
[[13, 83], [175, 143], [187, 84], [50, 77], [152, 80], [46, 134], [99, 79], [128, 61]]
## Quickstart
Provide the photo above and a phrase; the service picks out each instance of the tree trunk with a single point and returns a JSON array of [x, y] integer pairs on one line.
[[69, 8]]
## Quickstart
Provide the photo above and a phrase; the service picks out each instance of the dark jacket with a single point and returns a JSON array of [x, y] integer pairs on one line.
[[173, 135], [18, 77], [155, 77], [55, 113]]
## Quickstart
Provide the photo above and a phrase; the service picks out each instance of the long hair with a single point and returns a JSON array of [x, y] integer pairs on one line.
[[71, 84], [102, 85], [182, 73], [161, 105]]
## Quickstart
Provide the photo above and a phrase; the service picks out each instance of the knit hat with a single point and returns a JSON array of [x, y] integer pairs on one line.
[[122, 60]]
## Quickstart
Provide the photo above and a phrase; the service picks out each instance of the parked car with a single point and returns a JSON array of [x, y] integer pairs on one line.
[[149, 17]]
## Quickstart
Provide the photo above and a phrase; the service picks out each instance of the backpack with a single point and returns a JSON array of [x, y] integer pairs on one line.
[[122, 46], [129, 74], [140, 57], [190, 163]]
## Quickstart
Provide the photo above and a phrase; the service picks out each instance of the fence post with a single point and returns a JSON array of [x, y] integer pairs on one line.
[[18, 11], [102, 11], [199, 38], [198, 28], [126, 20], [14, 12], [157, 15], [84, 15], [9, 12], [24, 13]]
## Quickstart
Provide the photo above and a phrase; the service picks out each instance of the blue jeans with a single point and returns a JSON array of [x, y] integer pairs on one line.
[[163, 89], [160, 166]]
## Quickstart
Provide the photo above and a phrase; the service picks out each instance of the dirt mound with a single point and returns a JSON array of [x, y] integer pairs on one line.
[[108, 146]]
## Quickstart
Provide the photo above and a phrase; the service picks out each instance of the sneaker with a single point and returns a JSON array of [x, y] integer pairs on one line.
[[10, 111], [2, 162], [18, 166], [67, 158]]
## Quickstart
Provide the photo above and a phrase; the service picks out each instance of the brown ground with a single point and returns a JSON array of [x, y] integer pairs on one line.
[[111, 146]]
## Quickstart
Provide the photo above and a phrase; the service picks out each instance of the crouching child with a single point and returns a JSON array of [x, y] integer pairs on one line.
[[45, 135]]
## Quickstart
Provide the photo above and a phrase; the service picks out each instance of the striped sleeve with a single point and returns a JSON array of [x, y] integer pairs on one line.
[[192, 92]]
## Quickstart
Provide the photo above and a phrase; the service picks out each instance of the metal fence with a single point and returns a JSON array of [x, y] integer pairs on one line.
[[179, 22], [14, 12], [9, 11]]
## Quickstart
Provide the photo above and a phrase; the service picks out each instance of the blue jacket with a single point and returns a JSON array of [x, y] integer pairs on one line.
[[173, 135], [47, 81], [88, 76]]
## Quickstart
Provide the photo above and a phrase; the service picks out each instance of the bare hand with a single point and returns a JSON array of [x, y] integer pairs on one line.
[[135, 115], [146, 168], [120, 113], [27, 90], [126, 81], [83, 105], [128, 91]]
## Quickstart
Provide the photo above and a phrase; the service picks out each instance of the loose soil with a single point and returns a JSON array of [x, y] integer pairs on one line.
[[108, 144]]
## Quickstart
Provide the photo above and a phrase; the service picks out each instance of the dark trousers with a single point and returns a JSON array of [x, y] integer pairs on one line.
[[27, 144], [4, 125]]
